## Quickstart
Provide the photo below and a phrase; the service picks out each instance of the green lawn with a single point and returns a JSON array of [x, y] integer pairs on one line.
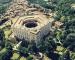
[[3, 50], [7, 33], [23, 58], [15, 56]]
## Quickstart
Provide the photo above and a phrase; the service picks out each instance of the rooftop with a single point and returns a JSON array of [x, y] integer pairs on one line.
[[31, 23]]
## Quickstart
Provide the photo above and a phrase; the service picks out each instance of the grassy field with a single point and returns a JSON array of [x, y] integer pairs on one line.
[[15, 56], [7, 33], [3, 50]]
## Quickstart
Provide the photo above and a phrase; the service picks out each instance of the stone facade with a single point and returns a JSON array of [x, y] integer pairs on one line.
[[31, 28]]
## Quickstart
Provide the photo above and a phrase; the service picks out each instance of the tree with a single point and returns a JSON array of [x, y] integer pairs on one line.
[[58, 34], [2, 9], [63, 8], [2, 35], [48, 4], [25, 43], [5, 53], [70, 41], [8, 45], [33, 48], [30, 57], [65, 56], [3, 5], [47, 45], [23, 51]]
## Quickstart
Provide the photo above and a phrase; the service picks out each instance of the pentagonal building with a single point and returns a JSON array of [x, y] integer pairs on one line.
[[31, 28]]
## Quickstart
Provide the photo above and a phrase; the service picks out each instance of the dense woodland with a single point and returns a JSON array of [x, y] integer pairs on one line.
[[64, 38], [4, 4]]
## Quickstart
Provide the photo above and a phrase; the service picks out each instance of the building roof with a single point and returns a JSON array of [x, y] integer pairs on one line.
[[41, 21]]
